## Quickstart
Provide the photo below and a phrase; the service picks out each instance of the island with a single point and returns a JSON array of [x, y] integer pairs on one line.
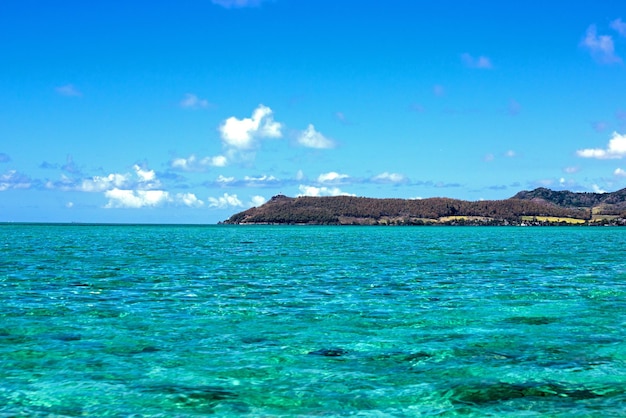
[[541, 206]]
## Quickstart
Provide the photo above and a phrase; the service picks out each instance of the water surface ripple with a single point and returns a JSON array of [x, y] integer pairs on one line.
[[159, 321]]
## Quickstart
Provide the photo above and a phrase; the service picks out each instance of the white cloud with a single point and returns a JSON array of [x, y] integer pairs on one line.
[[597, 189], [619, 26], [615, 149], [183, 163], [222, 179], [259, 181], [191, 101], [241, 133], [601, 47], [217, 161], [571, 170], [225, 201], [100, 184], [193, 163], [257, 201], [619, 172], [189, 199], [481, 62], [14, 180], [145, 180], [510, 154], [331, 177], [299, 175], [228, 4], [321, 191], [68, 90], [312, 139], [122, 198], [262, 178], [144, 175], [389, 178]]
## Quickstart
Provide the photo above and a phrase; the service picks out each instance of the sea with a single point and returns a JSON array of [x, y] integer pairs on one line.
[[307, 321]]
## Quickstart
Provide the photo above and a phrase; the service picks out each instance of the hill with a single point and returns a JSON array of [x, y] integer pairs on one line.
[[539, 206], [603, 203]]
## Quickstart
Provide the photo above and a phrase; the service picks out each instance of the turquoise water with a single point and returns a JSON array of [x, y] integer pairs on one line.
[[160, 321]]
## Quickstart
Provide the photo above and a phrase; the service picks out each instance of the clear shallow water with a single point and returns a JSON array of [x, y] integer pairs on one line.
[[308, 321]]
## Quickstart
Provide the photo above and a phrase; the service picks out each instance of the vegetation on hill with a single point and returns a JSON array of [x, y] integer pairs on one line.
[[612, 202], [540, 206]]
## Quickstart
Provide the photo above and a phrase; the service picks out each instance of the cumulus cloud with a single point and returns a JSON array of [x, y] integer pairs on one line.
[[313, 139], [601, 47], [4, 158], [389, 178], [236, 4], [102, 183], [123, 198], [321, 191], [597, 189], [257, 201], [189, 199], [143, 180], [145, 176], [619, 172], [193, 163], [217, 161], [615, 149], [14, 180], [331, 177], [68, 90], [619, 26], [225, 201], [191, 101], [481, 62], [241, 134]]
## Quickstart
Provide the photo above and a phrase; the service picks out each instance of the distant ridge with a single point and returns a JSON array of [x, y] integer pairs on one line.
[[571, 199], [536, 207]]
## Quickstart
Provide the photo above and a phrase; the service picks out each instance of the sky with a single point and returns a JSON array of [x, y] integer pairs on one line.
[[194, 110]]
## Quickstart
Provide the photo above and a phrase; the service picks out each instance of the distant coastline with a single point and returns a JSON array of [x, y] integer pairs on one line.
[[538, 207]]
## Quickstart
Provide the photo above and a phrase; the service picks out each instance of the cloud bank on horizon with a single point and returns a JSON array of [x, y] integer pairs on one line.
[[193, 120]]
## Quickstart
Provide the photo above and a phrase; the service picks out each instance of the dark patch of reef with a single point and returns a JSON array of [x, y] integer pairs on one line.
[[537, 207]]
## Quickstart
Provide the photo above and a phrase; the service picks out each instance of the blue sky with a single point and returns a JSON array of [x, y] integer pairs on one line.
[[190, 111]]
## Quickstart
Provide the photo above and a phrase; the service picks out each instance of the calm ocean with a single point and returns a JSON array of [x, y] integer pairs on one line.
[[162, 321]]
